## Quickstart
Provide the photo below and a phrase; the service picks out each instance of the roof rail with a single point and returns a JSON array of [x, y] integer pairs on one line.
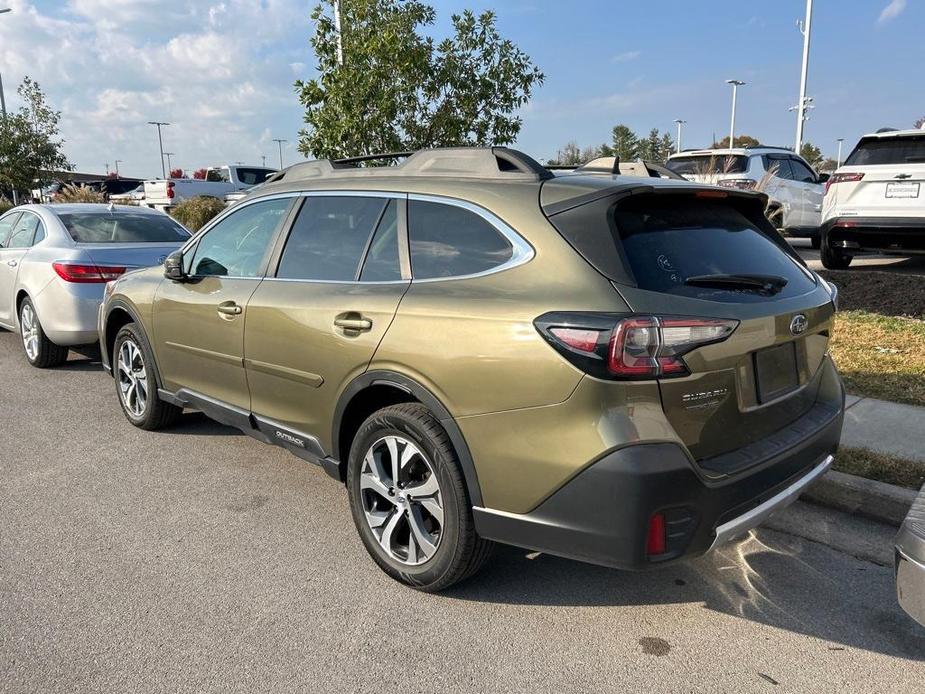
[[760, 146], [450, 162]]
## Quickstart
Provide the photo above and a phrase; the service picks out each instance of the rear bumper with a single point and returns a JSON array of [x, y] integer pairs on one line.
[[601, 516], [886, 234], [910, 561], [69, 311]]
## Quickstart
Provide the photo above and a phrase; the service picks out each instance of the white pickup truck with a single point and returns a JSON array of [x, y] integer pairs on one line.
[[220, 180]]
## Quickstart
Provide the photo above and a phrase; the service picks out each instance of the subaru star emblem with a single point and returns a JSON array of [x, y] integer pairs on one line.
[[798, 324]]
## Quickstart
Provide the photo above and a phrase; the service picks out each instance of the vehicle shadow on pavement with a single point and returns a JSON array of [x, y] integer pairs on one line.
[[771, 578], [193, 423]]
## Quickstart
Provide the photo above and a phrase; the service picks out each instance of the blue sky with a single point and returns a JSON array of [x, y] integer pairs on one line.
[[222, 70]]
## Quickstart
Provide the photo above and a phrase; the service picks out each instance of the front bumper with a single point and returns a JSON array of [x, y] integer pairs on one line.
[[876, 234], [910, 561], [601, 516]]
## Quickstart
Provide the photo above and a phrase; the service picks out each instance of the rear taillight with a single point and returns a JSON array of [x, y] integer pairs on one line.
[[842, 178], [82, 273], [170, 185], [632, 347], [741, 183]]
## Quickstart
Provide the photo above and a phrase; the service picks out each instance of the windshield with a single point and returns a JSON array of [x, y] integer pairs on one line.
[[888, 150], [708, 164], [120, 227]]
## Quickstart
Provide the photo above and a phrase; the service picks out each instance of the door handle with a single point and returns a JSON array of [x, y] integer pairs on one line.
[[353, 322], [12, 263], [229, 308]]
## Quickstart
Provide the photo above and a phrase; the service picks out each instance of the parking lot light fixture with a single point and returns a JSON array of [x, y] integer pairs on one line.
[[838, 157], [732, 125], [160, 143], [280, 143]]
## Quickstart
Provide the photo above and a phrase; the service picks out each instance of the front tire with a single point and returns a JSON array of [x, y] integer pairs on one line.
[[41, 352], [409, 500], [136, 385]]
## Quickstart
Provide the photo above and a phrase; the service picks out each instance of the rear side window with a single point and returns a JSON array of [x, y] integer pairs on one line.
[[122, 227], [672, 246], [890, 150], [450, 241], [708, 164], [6, 226], [329, 237]]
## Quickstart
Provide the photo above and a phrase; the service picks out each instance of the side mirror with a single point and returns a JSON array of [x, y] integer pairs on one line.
[[173, 267], [822, 178]]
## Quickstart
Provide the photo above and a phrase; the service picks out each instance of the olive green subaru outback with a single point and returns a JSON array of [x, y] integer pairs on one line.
[[625, 371]]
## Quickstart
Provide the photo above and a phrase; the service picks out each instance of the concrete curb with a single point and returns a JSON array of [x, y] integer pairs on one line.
[[878, 501]]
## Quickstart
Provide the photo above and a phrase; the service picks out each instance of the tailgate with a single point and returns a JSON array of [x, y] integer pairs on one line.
[[889, 190]]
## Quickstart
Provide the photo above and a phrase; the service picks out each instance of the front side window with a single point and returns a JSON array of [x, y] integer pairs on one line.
[[329, 237], [6, 226], [24, 231], [801, 172], [450, 241], [237, 245], [780, 167]]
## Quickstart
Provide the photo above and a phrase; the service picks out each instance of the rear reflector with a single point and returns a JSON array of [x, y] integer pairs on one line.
[[170, 193], [582, 340], [81, 273], [656, 540]]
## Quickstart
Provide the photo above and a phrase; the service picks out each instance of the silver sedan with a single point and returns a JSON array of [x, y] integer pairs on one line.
[[55, 261]]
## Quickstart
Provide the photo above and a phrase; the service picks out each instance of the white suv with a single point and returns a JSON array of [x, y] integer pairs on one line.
[[794, 189], [875, 202]]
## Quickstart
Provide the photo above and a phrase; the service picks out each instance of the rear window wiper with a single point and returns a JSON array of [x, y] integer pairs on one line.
[[765, 284]]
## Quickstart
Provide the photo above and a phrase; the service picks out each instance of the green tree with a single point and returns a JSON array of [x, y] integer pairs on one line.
[[827, 164], [667, 147], [29, 142], [625, 143], [812, 154], [397, 89], [650, 148], [738, 141]]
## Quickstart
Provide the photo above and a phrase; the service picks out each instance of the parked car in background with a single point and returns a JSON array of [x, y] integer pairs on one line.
[[133, 196], [55, 259], [119, 186], [875, 201], [794, 188], [617, 369], [910, 561], [163, 194]]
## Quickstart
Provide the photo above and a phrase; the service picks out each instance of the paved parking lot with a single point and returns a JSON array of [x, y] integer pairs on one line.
[[891, 263], [200, 560]]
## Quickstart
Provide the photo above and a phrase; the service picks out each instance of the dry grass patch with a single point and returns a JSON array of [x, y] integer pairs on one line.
[[880, 467], [881, 356]]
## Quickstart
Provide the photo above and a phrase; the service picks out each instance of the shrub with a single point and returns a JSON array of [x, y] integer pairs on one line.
[[5, 205], [72, 193], [195, 212]]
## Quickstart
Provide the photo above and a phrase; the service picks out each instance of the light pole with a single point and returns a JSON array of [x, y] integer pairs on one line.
[[263, 159], [118, 161], [805, 28], [732, 124], [280, 143], [340, 43], [160, 143], [680, 123], [3, 104], [838, 158], [168, 155]]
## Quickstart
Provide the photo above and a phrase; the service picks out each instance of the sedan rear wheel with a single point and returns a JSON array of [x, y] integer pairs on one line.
[[40, 351]]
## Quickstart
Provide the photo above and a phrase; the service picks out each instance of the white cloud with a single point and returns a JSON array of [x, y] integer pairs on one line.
[[891, 11], [626, 57], [220, 72]]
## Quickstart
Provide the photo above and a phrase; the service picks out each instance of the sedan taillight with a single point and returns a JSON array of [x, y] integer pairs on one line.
[[633, 347], [842, 178], [82, 273]]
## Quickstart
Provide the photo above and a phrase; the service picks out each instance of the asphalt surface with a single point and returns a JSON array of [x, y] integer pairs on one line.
[[198, 559], [906, 265]]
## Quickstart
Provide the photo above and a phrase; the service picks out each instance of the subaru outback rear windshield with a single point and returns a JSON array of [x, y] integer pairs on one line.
[[685, 246], [888, 150], [707, 164]]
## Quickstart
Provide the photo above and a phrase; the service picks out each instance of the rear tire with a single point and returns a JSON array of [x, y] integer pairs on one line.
[[832, 259], [41, 352], [815, 241], [426, 540], [136, 385]]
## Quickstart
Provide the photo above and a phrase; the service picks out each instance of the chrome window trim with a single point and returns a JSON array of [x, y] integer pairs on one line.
[[522, 251]]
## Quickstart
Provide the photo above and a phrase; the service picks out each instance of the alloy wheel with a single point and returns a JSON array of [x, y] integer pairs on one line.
[[29, 326], [133, 384], [401, 499]]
